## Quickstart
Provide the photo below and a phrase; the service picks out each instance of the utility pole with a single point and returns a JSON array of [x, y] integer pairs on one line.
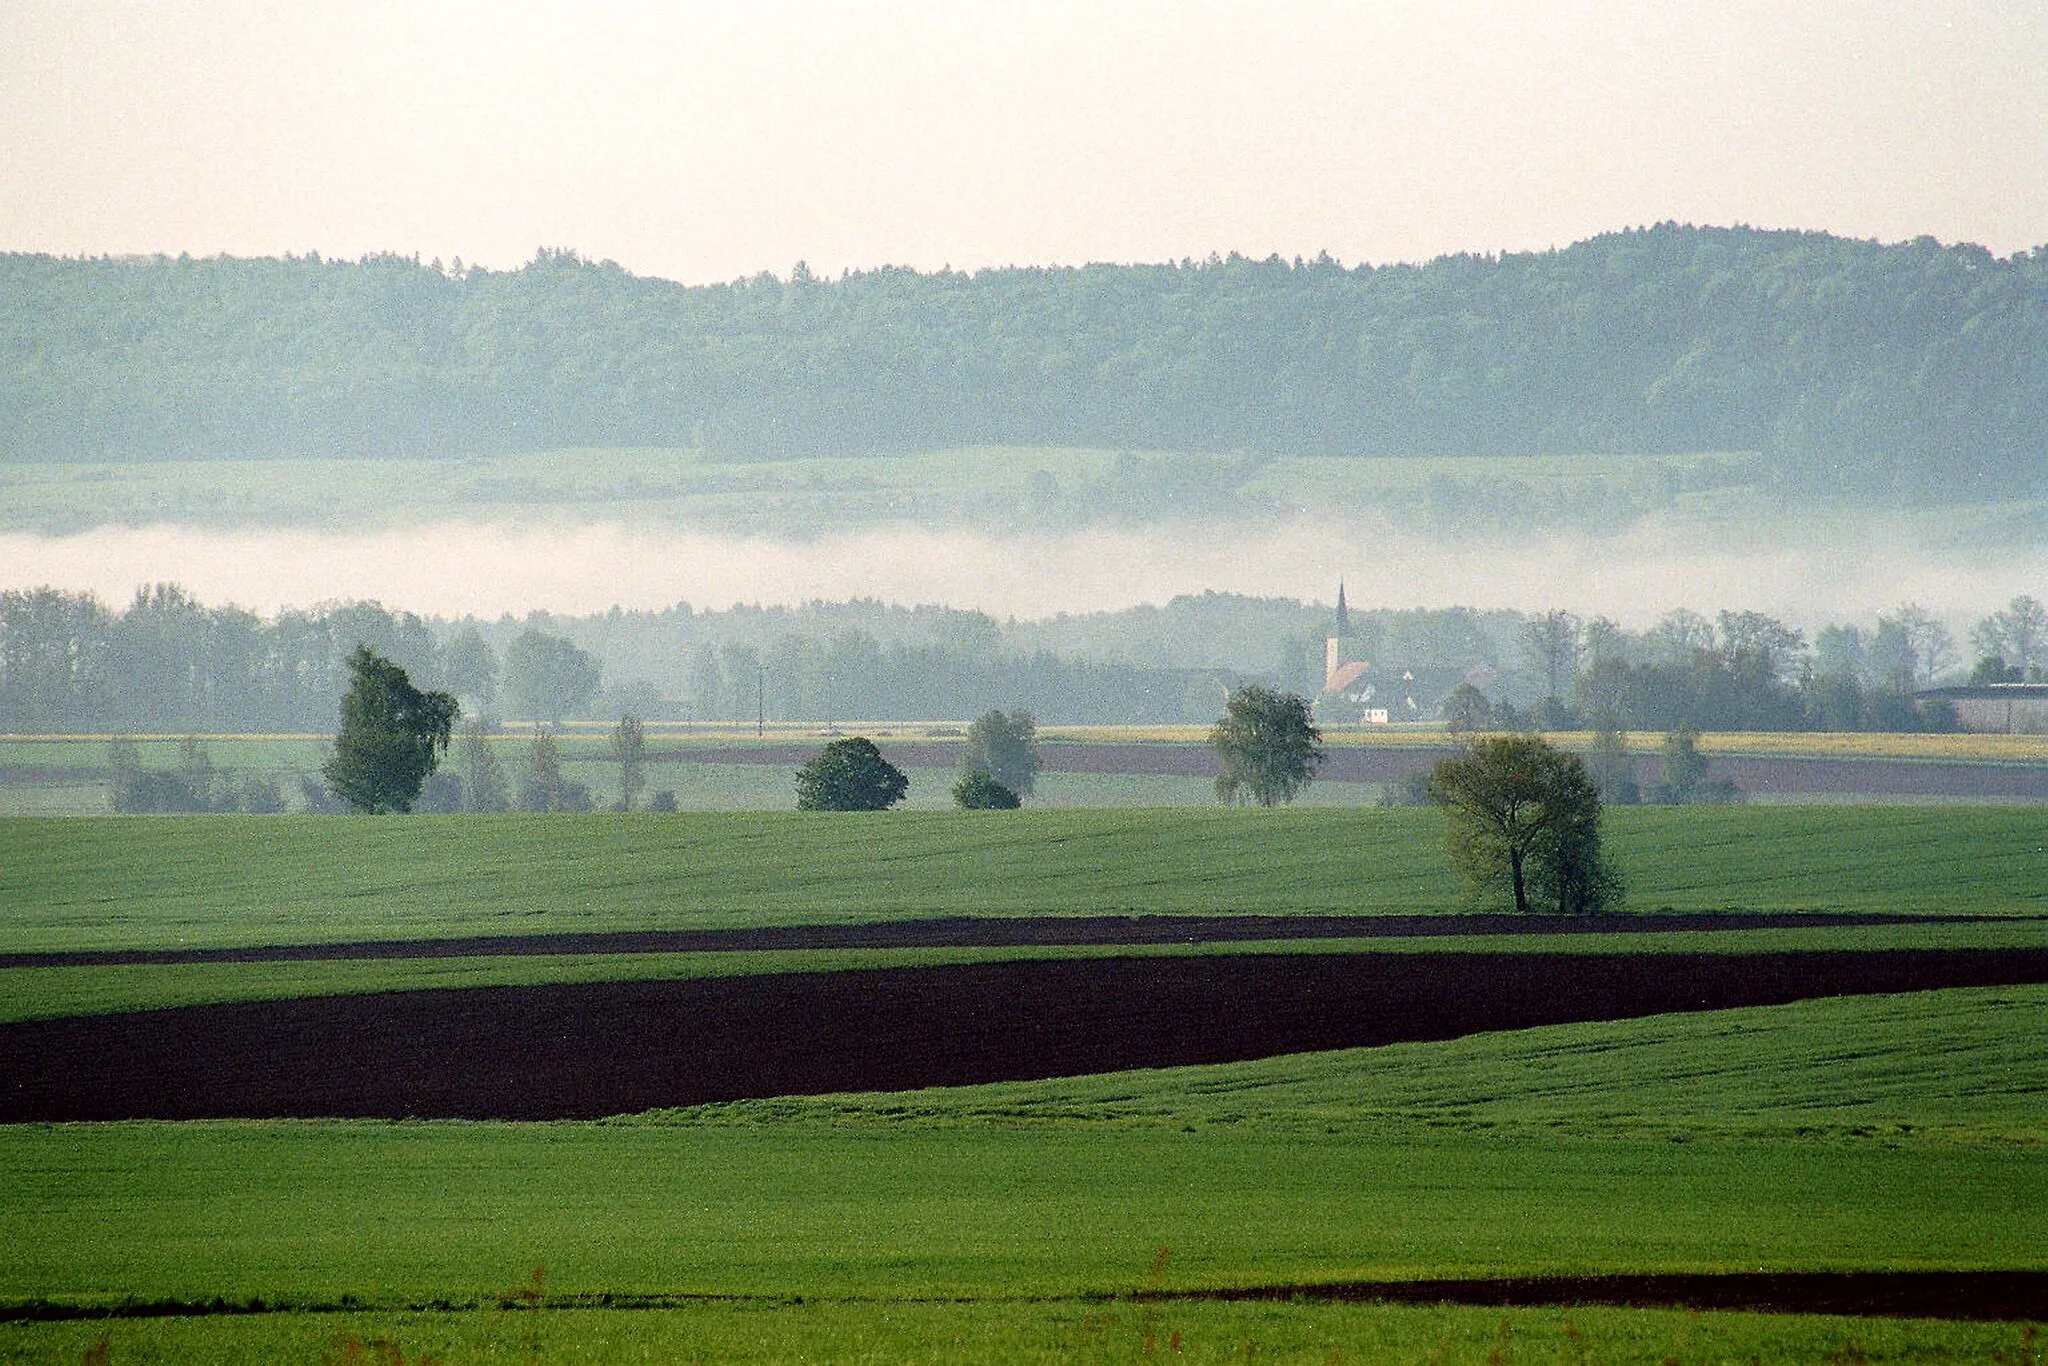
[[760, 701]]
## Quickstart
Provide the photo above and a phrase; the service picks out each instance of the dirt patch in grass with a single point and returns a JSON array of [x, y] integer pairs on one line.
[[1982, 1295], [989, 932], [608, 1048]]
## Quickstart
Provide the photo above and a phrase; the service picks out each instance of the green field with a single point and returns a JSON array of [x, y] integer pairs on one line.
[[1893, 1133], [394, 1215], [68, 777], [999, 1222], [1006, 1332], [185, 882]]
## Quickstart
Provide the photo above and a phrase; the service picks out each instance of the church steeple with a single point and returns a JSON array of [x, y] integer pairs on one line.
[[1337, 649]]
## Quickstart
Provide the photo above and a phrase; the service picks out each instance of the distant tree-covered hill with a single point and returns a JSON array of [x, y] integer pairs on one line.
[[1903, 369]]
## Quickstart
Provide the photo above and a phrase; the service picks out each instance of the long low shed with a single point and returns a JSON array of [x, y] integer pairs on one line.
[[1998, 708]]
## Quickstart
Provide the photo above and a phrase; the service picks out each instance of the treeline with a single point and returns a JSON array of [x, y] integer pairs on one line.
[[1746, 671], [1907, 368], [167, 664]]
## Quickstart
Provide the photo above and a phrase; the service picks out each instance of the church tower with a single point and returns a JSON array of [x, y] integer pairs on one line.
[[1337, 649]]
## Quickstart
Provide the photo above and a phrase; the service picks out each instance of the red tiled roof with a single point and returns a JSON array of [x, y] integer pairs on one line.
[[1345, 676]]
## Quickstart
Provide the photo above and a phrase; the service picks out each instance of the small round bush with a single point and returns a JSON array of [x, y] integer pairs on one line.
[[977, 791]]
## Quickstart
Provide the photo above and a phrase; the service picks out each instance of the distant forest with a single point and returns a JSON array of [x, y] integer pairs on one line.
[[168, 664], [1914, 370]]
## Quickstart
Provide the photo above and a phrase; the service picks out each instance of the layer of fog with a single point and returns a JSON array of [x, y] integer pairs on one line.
[[453, 569]]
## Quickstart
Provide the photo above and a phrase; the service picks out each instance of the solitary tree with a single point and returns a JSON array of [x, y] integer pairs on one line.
[[469, 668], [392, 736], [1467, 709], [1930, 650], [629, 747], [1525, 814], [849, 775], [1761, 646], [1269, 748], [1005, 747], [542, 786], [1685, 773], [1554, 643], [548, 677], [483, 777], [1684, 767]]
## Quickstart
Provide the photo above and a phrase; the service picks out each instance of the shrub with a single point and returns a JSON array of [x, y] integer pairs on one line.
[[979, 791]]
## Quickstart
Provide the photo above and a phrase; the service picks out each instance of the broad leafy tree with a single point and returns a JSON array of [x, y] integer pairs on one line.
[[1269, 748], [469, 668], [1525, 816], [548, 677], [1467, 709], [2017, 636], [1005, 747], [392, 736], [850, 775]]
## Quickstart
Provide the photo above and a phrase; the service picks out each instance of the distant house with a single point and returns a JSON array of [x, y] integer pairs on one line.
[[1997, 708]]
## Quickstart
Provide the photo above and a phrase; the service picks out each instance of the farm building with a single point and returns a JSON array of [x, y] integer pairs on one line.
[[1997, 708]]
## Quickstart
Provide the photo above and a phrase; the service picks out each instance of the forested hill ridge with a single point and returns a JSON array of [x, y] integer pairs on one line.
[[1904, 370]]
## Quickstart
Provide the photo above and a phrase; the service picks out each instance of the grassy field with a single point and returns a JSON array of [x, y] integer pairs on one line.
[[1880, 1133], [175, 882], [1872, 1133], [1006, 1332], [394, 1215], [67, 775]]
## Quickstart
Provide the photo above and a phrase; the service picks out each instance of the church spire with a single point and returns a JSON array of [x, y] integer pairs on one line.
[[1343, 626]]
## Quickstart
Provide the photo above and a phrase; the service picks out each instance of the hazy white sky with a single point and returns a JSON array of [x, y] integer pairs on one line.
[[705, 141]]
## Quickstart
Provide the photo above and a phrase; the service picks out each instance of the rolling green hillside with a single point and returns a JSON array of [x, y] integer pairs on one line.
[[1963, 1066]]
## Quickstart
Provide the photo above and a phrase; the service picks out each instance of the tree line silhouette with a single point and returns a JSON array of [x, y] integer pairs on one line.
[[1907, 368]]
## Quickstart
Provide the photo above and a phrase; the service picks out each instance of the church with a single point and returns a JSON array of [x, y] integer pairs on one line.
[[1345, 684]]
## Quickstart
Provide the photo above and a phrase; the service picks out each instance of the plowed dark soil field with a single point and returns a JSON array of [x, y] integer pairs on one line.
[[583, 1051], [986, 932]]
